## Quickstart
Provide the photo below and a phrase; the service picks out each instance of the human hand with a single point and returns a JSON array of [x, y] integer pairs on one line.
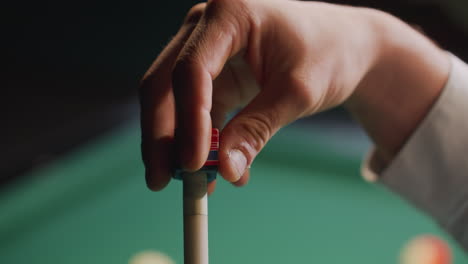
[[278, 60]]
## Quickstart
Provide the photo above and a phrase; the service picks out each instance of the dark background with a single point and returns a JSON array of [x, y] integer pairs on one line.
[[71, 69]]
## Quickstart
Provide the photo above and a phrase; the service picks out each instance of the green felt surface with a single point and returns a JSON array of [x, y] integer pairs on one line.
[[305, 204]]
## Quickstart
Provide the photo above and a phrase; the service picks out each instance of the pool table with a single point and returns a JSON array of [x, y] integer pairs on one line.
[[305, 203]]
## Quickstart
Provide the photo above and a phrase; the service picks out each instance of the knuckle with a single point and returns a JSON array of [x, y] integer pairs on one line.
[[219, 4], [216, 8], [195, 13], [230, 17]]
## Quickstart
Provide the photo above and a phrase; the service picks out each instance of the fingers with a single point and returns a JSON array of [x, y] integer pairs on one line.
[[221, 33], [158, 108], [248, 132]]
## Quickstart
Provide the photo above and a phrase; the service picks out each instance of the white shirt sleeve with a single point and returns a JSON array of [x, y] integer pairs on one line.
[[431, 170]]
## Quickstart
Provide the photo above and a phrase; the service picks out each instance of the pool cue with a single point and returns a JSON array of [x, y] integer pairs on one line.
[[195, 199]]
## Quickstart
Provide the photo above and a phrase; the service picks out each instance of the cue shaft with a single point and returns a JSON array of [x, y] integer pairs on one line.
[[195, 218]]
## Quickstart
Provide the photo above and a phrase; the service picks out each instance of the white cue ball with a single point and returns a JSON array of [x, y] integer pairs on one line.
[[150, 257]]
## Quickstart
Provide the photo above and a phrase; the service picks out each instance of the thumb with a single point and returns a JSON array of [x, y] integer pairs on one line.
[[249, 131]]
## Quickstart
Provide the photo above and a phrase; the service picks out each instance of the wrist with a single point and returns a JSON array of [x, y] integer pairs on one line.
[[400, 88]]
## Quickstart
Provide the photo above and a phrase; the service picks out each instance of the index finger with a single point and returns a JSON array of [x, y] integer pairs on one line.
[[221, 33], [158, 108]]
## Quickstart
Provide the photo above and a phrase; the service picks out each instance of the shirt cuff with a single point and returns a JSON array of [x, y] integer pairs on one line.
[[431, 170]]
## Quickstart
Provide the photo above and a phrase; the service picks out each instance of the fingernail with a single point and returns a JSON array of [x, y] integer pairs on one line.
[[239, 162]]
